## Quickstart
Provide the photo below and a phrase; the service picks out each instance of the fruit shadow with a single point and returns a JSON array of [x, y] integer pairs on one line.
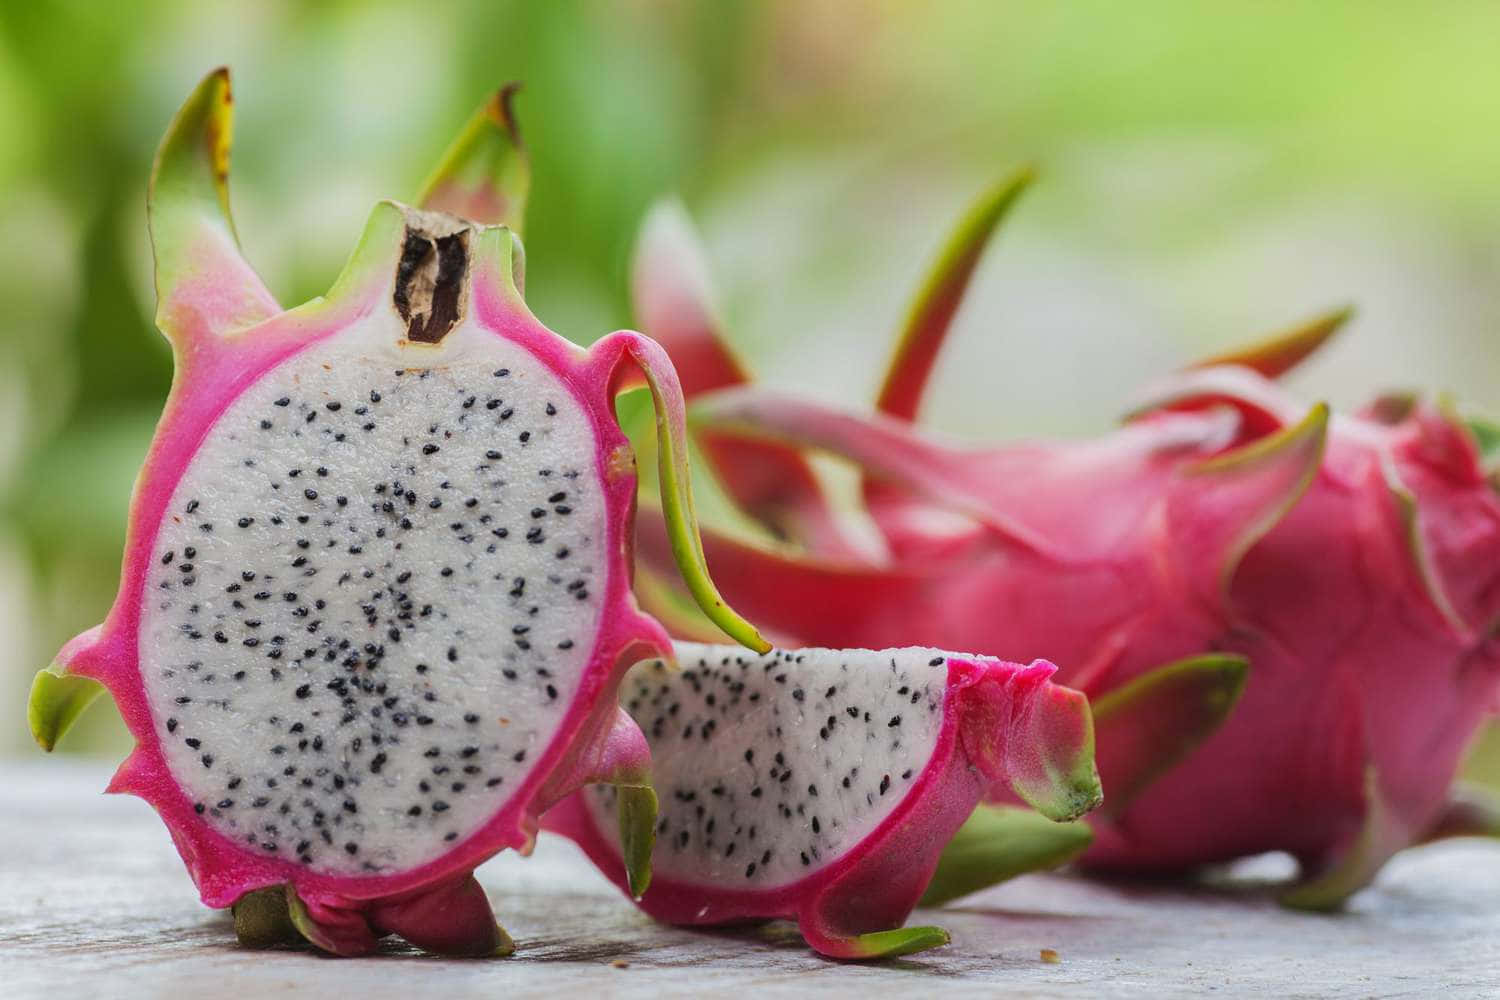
[[218, 931], [783, 936], [1211, 883]]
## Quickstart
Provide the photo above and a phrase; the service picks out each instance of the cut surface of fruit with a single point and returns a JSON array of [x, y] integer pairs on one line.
[[821, 785]]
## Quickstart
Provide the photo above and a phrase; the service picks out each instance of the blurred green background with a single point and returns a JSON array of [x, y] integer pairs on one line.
[[1209, 172]]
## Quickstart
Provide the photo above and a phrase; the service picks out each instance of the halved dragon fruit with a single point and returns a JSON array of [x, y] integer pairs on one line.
[[1353, 561], [375, 603], [820, 785]]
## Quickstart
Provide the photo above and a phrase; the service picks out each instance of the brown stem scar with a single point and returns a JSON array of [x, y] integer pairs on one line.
[[432, 275]]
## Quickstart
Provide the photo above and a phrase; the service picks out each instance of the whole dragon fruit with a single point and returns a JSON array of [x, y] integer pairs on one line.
[[821, 785], [375, 604], [1352, 561]]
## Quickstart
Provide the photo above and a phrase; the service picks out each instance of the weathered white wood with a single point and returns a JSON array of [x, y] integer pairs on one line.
[[96, 904]]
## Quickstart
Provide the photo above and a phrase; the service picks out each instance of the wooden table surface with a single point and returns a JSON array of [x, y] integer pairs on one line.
[[95, 903]]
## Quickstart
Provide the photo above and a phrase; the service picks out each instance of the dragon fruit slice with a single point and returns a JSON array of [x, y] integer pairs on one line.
[[375, 601], [820, 785], [1352, 561]]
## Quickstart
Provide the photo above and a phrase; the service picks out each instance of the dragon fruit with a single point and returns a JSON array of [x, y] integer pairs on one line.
[[1352, 561], [820, 785], [375, 601]]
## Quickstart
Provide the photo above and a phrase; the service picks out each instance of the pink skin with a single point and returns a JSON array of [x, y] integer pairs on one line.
[[593, 742], [1000, 721], [1370, 649], [669, 285]]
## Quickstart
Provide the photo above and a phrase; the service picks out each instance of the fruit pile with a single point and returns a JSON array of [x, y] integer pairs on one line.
[[381, 610]]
